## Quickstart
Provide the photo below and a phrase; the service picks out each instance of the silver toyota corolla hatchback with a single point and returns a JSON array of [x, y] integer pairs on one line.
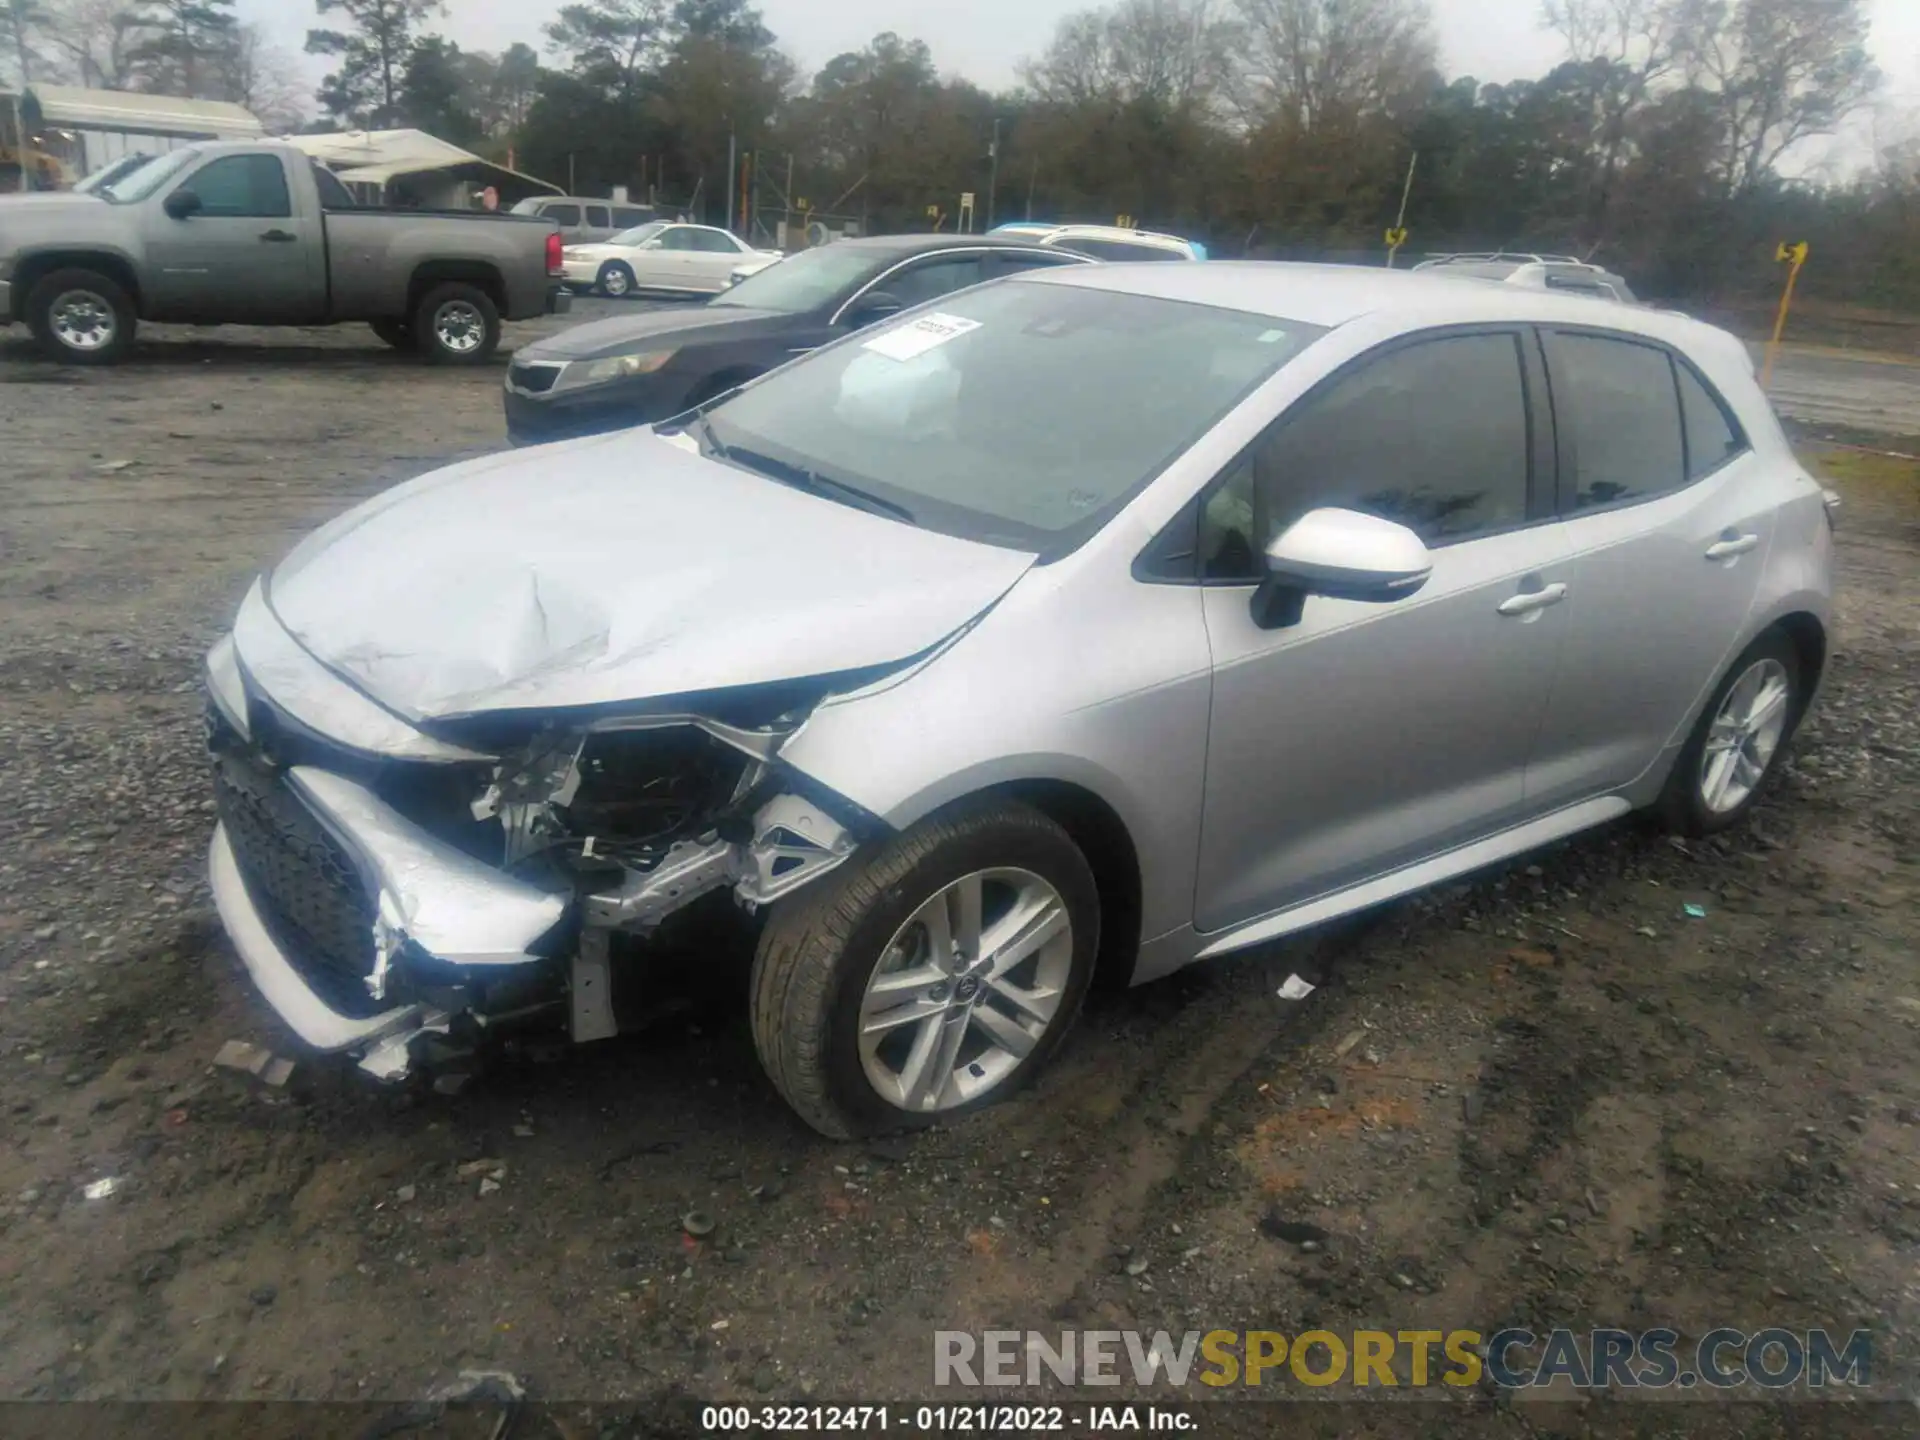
[[1105, 619]]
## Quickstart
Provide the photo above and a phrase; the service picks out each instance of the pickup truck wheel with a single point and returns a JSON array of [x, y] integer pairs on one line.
[[396, 333], [81, 317], [932, 977], [615, 280], [457, 324]]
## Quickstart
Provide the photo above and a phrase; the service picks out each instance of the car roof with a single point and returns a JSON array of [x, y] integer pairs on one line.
[[915, 244], [1333, 295]]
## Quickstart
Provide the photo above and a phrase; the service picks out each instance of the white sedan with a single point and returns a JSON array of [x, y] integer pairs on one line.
[[661, 255]]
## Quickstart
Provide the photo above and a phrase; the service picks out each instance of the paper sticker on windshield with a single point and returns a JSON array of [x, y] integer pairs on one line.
[[921, 336]]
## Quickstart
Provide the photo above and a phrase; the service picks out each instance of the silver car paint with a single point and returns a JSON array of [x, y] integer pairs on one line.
[[1127, 740], [1267, 780], [616, 568]]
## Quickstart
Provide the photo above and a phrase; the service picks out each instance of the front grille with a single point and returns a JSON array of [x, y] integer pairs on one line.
[[303, 883], [533, 378]]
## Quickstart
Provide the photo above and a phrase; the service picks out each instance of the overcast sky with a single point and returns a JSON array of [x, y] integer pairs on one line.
[[984, 40]]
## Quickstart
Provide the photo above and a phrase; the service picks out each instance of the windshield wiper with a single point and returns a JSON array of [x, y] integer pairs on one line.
[[801, 478], [696, 421]]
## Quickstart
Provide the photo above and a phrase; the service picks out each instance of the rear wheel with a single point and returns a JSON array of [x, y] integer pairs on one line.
[[456, 324], [938, 975], [396, 333], [81, 317], [616, 280], [1738, 743]]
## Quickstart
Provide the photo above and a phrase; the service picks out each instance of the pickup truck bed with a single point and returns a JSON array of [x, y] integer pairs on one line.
[[258, 234]]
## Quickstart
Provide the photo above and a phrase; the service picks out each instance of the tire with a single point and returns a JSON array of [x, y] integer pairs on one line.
[[458, 310], [615, 280], [66, 305], [822, 946], [1687, 803], [396, 333]]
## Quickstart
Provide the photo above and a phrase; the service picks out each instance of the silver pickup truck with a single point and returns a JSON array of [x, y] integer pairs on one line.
[[258, 234]]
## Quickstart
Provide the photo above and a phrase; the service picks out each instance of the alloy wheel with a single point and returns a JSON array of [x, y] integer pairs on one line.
[[82, 320], [965, 990], [1744, 736], [459, 327]]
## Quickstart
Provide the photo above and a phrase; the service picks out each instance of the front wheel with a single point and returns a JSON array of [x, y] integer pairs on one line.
[[934, 977], [616, 280], [456, 324], [81, 317], [1737, 745]]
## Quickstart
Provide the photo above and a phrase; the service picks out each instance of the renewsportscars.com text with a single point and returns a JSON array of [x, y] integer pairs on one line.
[[1722, 1359]]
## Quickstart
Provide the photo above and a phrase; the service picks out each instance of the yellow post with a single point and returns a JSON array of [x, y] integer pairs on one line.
[[1396, 237], [1793, 256]]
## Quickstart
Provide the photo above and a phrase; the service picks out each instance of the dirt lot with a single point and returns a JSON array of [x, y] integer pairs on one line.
[[1549, 1097]]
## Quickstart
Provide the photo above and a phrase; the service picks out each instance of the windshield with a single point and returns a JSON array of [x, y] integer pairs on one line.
[[1020, 413], [805, 281], [639, 234], [111, 173], [142, 182]]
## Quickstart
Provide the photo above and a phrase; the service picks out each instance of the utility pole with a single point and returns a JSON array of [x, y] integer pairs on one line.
[[993, 174], [1033, 174], [786, 207], [733, 173]]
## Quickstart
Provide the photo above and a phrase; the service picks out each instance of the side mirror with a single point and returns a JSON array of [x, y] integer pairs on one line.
[[183, 204], [1343, 555], [872, 307]]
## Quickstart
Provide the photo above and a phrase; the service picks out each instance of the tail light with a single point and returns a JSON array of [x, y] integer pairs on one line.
[[556, 259]]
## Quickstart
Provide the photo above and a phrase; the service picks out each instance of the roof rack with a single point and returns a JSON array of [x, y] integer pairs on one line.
[[1467, 257]]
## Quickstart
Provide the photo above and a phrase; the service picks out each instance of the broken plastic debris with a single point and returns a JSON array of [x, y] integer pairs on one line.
[[1351, 1040], [101, 1189], [1295, 988], [1697, 912], [254, 1060], [499, 1387]]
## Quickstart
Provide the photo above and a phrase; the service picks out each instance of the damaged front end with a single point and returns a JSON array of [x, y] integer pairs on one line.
[[399, 897]]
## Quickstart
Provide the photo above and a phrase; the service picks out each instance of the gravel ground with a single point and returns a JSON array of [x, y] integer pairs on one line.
[[1550, 1096]]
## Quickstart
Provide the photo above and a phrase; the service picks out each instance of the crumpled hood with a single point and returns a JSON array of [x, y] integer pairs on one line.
[[621, 567], [626, 334]]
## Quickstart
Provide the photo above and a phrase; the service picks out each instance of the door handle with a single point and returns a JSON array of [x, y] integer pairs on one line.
[[1529, 602], [1730, 546], [279, 237]]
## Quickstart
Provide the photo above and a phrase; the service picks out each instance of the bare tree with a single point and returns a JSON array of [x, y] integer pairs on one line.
[[1173, 53], [24, 27], [1312, 62], [266, 79], [1779, 72], [1624, 50], [98, 39]]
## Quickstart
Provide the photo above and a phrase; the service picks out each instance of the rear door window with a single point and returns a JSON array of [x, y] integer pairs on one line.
[[565, 215], [1615, 400], [598, 218], [626, 217]]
